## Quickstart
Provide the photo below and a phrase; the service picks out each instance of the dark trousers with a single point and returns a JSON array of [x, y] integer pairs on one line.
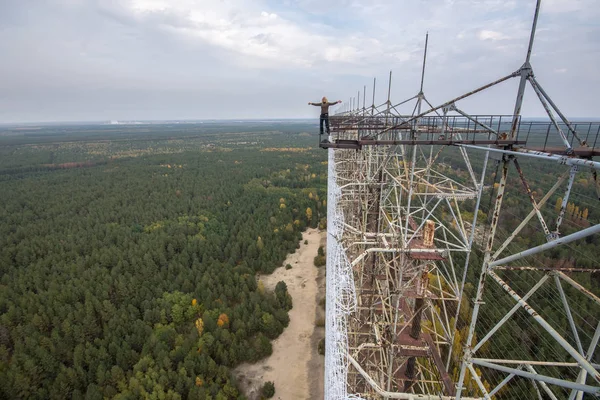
[[324, 117]]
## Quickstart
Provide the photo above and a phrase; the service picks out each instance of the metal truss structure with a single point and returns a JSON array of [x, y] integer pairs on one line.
[[407, 317]]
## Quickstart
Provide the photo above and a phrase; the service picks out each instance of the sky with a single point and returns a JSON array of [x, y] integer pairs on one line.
[[91, 60]]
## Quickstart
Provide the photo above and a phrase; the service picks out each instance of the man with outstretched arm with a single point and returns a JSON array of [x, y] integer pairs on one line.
[[324, 104]]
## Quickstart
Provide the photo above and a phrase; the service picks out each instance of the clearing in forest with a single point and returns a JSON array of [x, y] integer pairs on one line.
[[288, 366]]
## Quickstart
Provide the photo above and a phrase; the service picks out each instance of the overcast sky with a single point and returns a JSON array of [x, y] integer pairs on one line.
[[78, 60]]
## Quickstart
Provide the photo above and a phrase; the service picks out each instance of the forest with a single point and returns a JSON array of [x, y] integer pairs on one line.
[[129, 254]]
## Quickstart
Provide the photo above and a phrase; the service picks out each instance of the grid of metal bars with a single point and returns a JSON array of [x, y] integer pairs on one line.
[[400, 251]]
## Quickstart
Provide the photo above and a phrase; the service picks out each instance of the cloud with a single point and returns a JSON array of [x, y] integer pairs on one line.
[[265, 14], [125, 59], [491, 35], [251, 32]]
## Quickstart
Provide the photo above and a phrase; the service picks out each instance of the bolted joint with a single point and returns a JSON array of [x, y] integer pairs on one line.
[[468, 353], [553, 236]]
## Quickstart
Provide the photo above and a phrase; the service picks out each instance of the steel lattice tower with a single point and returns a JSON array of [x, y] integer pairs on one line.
[[401, 233]]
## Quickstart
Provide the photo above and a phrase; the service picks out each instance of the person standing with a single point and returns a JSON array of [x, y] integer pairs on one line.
[[324, 104]]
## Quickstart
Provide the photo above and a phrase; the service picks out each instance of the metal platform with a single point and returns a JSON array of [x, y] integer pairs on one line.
[[358, 144], [358, 131]]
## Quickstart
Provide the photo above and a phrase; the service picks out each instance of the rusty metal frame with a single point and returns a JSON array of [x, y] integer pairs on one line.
[[389, 195], [392, 190]]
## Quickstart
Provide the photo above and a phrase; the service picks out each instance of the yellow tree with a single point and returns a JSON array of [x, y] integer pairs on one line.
[[199, 326], [309, 214], [558, 204]]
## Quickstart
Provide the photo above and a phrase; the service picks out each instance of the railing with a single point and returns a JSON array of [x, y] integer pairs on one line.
[[544, 136], [476, 129]]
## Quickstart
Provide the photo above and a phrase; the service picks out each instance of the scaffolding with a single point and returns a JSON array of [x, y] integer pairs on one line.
[[402, 231]]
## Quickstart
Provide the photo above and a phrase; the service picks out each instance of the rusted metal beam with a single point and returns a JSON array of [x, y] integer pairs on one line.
[[468, 255], [396, 395], [477, 380], [449, 388], [532, 199], [549, 269], [565, 200], [424, 113], [487, 128], [483, 275], [415, 333], [560, 114], [550, 115], [579, 287]]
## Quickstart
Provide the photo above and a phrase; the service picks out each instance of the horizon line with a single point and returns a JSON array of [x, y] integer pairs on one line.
[[184, 120]]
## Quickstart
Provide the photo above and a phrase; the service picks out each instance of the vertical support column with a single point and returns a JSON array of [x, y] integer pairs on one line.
[[533, 29], [483, 276], [373, 104], [405, 234], [420, 94], [424, 60], [525, 73], [468, 255], [415, 333], [364, 98], [422, 285], [388, 103], [372, 217]]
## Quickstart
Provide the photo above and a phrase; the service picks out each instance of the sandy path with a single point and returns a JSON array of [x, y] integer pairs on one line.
[[316, 365], [288, 366]]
